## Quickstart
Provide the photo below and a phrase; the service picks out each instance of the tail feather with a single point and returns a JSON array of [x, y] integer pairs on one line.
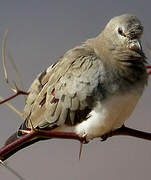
[[13, 150], [12, 138], [16, 136]]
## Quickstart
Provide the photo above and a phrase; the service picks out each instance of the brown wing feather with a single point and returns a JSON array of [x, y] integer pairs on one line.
[[61, 92]]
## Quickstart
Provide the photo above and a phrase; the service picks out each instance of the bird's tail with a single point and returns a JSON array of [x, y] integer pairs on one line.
[[14, 146], [12, 138], [18, 141], [17, 134]]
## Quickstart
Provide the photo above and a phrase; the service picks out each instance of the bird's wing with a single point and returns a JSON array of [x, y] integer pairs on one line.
[[62, 93]]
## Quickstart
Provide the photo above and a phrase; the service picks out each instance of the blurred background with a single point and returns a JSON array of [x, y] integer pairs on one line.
[[39, 32]]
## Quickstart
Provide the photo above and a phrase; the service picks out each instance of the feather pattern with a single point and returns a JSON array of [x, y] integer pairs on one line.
[[94, 87], [70, 82]]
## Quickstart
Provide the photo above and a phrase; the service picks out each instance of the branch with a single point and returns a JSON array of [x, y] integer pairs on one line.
[[32, 137], [37, 135], [11, 107], [126, 131], [18, 92]]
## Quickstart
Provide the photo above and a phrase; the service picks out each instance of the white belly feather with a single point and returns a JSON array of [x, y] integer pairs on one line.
[[108, 115]]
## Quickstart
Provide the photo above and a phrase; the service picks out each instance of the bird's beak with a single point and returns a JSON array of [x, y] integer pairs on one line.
[[135, 45]]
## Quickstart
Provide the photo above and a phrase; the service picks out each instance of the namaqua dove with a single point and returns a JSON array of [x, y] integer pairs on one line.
[[94, 87]]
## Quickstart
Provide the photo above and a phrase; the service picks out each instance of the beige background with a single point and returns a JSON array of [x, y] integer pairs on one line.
[[40, 31]]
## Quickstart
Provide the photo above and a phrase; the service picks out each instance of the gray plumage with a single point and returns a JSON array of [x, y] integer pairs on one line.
[[110, 65]]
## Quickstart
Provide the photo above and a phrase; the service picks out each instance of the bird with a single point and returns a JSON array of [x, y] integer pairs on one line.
[[93, 88]]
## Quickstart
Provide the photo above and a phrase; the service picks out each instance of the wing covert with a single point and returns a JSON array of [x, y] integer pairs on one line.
[[69, 84]]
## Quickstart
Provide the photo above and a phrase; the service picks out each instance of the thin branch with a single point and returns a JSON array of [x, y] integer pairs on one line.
[[20, 82], [12, 170], [4, 62], [34, 136], [3, 55], [11, 59], [19, 92], [13, 86], [126, 131], [12, 107]]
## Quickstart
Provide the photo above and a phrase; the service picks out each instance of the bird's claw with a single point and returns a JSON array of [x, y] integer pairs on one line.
[[84, 139]]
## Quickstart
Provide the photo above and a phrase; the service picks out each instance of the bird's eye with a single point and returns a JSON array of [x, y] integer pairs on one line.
[[120, 31]]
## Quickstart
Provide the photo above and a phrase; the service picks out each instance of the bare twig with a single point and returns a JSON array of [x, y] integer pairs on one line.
[[13, 88], [11, 107], [126, 131], [20, 82], [11, 170], [11, 59], [3, 55], [19, 92]]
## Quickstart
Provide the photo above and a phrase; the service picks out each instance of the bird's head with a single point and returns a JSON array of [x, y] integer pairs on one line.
[[121, 34], [126, 30]]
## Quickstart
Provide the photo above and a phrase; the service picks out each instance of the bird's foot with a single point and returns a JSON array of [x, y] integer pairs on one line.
[[84, 139]]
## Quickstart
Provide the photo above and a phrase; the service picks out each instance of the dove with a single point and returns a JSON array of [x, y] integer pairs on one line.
[[94, 87]]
